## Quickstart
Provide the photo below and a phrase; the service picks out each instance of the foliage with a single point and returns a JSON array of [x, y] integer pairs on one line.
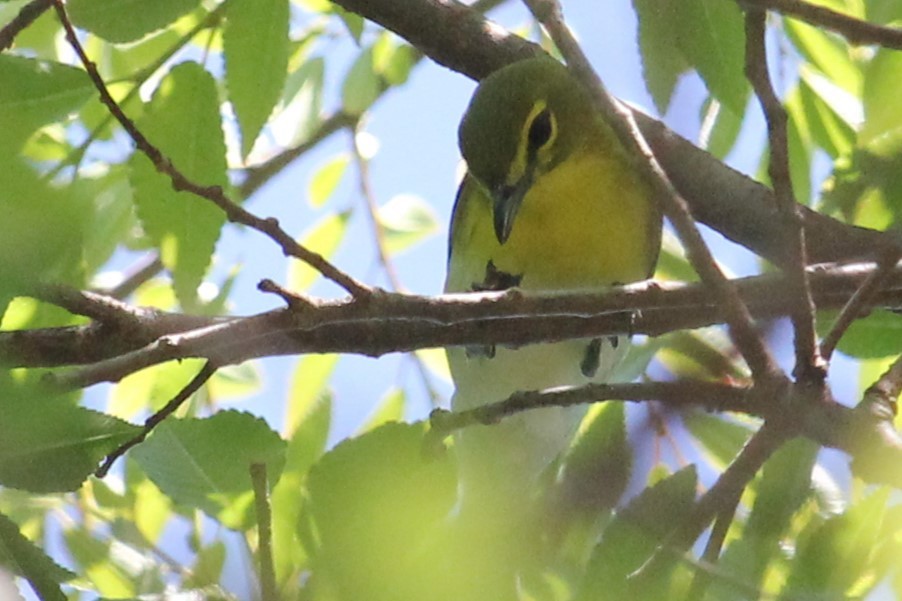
[[233, 91]]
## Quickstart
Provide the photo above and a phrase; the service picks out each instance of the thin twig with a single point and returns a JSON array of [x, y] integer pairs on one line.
[[168, 409], [711, 554], [372, 209], [143, 270], [808, 364], [724, 494], [857, 303], [856, 31], [740, 324], [267, 573], [684, 393], [234, 212], [27, 15]]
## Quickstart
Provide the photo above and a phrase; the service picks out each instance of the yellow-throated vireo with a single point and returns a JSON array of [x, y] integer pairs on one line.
[[550, 201]]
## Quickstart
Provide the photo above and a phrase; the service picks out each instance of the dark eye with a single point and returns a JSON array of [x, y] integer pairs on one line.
[[540, 130]]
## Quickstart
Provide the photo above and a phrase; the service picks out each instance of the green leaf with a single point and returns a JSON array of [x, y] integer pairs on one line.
[[152, 387], [785, 484], [34, 93], [205, 463], [375, 501], [833, 557], [23, 558], [324, 238], [711, 37], [306, 445], [597, 468], [724, 130], [182, 120], [255, 44], [110, 572], [40, 232], [47, 444], [303, 99], [393, 59], [879, 334], [352, 21], [720, 439], [126, 20], [407, 220], [308, 386], [326, 180], [827, 53], [661, 66], [362, 84], [390, 409], [235, 381], [881, 94], [635, 534]]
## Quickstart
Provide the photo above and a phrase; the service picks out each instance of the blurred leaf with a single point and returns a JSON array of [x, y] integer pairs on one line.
[[126, 20], [634, 535], [407, 220], [720, 440], [784, 485], [825, 52], [436, 361], [234, 381], [833, 112], [390, 409], [362, 84], [40, 232], [703, 354], [393, 59], [326, 180], [711, 38], [303, 100], [309, 385], [152, 387], [724, 130], [47, 444], [310, 433], [352, 21], [204, 463], [255, 45], [183, 120], [661, 66], [324, 238], [880, 95], [208, 566], [879, 334], [375, 501], [834, 557], [20, 556], [35, 93], [113, 569], [598, 466]]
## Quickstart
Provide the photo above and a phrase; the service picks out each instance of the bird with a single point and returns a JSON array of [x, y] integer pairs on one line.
[[551, 201]]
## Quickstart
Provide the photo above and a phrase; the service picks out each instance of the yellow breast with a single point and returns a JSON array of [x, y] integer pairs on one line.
[[586, 223]]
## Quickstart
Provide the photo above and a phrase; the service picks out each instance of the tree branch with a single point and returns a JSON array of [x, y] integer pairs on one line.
[[234, 212], [808, 364], [856, 31]]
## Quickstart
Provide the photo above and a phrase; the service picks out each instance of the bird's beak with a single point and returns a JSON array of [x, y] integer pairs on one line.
[[507, 201]]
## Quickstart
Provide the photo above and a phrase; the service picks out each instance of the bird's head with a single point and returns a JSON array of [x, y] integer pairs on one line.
[[523, 120]]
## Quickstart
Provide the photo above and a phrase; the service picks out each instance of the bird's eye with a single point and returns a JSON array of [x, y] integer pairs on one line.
[[540, 129]]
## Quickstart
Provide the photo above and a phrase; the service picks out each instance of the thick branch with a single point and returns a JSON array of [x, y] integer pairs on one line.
[[395, 323]]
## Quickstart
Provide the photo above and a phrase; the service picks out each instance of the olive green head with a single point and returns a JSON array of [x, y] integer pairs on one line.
[[523, 120]]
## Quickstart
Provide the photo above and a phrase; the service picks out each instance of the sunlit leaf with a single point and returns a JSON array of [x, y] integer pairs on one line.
[[255, 44], [407, 220], [326, 180], [205, 463], [324, 238], [126, 20]]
